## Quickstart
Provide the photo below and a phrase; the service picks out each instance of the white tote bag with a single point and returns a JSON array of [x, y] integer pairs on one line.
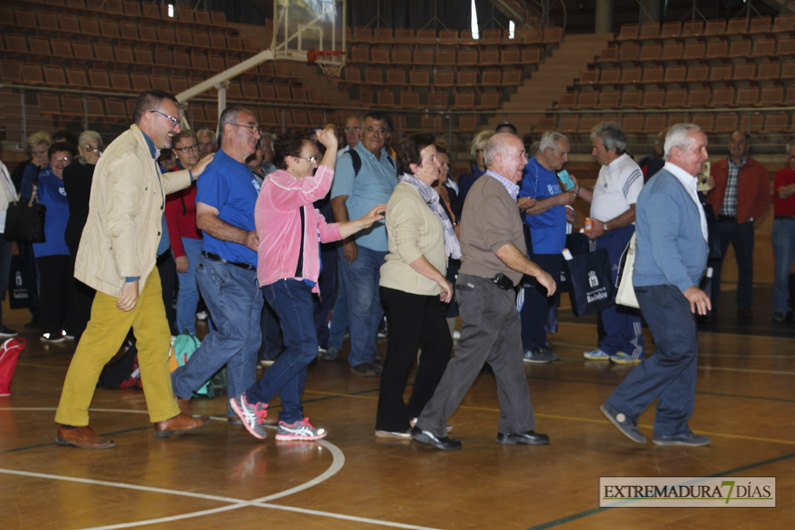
[[625, 292]]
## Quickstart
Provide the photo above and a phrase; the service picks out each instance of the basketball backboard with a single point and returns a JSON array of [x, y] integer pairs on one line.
[[304, 26]]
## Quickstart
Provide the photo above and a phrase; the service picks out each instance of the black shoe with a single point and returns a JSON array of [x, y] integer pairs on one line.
[[745, 313], [445, 444], [364, 370], [778, 318], [7, 333], [527, 438]]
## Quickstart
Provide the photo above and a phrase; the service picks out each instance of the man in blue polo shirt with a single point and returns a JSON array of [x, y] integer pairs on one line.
[[546, 220], [227, 269], [364, 178]]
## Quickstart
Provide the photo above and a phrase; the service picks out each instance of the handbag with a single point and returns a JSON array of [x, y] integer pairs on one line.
[[25, 219], [591, 282], [625, 291]]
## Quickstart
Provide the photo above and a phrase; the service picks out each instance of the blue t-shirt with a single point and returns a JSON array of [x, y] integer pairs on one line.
[[52, 194], [371, 187], [547, 229], [230, 187]]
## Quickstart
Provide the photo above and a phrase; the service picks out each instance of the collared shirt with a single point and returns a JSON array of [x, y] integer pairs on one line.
[[372, 186], [512, 188], [729, 207], [617, 188], [690, 183]]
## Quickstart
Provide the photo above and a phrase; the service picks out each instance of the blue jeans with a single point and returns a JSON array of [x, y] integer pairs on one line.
[[365, 313], [327, 283], [272, 344], [783, 239], [188, 294], [292, 302], [235, 303], [339, 314], [741, 236]]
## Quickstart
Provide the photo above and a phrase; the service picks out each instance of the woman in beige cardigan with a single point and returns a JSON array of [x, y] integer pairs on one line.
[[413, 287]]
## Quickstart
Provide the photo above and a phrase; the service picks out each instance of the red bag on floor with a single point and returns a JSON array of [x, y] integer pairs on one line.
[[9, 354]]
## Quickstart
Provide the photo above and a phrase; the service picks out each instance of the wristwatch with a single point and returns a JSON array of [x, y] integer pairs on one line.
[[604, 225]]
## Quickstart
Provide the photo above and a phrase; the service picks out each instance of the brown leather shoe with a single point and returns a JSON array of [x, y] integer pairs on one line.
[[82, 437], [180, 423], [184, 406]]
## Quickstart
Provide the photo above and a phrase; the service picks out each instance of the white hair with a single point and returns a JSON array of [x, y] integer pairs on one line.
[[679, 136]]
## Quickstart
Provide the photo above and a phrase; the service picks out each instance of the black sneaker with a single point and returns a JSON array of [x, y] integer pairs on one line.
[[52, 337], [7, 333]]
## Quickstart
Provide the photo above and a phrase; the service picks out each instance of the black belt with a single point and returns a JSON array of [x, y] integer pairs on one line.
[[727, 218], [216, 257], [784, 217]]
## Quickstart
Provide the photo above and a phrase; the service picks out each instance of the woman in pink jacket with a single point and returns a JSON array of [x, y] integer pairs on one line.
[[288, 265]]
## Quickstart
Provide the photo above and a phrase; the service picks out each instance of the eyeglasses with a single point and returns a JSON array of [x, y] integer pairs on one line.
[[381, 130], [349, 129], [253, 128], [61, 159], [183, 150], [92, 148], [174, 121], [311, 159]]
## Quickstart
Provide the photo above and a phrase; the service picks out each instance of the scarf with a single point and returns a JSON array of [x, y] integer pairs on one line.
[[451, 246]]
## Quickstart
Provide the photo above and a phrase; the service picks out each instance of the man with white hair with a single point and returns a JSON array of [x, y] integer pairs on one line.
[[494, 258], [671, 258], [545, 229], [613, 213]]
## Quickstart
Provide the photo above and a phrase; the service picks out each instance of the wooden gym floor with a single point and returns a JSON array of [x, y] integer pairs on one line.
[[221, 475]]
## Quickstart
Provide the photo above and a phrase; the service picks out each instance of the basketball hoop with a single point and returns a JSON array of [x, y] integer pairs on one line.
[[330, 62]]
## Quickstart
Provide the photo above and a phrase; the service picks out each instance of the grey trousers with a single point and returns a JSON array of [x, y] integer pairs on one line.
[[491, 332]]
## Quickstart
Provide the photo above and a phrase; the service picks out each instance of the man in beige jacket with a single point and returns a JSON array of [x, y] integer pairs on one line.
[[117, 258]]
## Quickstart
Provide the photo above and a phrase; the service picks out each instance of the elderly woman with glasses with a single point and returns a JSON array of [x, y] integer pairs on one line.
[[185, 238], [288, 266], [52, 256], [77, 178]]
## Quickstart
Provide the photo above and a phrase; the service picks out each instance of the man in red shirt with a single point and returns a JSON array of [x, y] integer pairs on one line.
[[783, 233], [740, 196]]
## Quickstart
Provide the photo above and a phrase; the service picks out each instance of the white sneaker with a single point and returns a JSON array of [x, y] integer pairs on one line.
[[300, 430], [596, 355]]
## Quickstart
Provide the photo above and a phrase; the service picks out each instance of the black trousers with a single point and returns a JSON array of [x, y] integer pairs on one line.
[[414, 321], [55, 292], [167, 268]]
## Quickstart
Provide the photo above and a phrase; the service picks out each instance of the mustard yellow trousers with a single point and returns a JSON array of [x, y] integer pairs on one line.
[[101, 341]]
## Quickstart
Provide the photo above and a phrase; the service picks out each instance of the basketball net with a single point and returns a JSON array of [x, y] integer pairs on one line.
[[330, 62]]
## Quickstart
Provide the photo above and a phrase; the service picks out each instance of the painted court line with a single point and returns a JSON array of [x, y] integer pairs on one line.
[[338, 461]]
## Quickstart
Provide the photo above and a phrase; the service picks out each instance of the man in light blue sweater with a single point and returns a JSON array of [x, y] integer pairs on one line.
[[670, 261]]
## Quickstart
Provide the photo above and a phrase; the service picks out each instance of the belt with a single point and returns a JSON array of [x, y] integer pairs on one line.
[[216, 257], [784, 217], [727, 218]]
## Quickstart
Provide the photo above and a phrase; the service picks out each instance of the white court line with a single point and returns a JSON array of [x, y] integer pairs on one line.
[[234, 503], [338, 461]]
